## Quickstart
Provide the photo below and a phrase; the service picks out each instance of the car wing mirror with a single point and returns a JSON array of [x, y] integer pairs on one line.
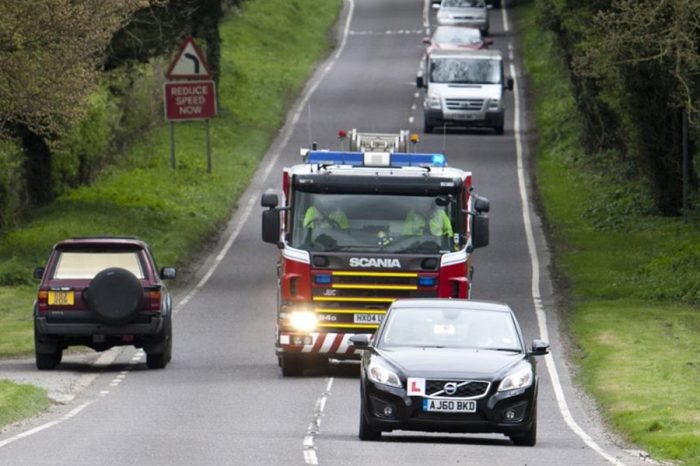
[[539, 348], [168, 273], [426, 40], [360, 341], [488, 41], [38, 272]]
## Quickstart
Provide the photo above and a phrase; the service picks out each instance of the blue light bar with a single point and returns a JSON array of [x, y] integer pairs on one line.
[[426, 281], [357, 159], [323, 279]]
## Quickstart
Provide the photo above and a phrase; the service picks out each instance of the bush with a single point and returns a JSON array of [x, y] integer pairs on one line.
[[12, 185], [82, 152]]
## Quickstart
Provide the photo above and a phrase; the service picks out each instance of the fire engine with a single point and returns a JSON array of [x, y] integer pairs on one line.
[[350, 243]]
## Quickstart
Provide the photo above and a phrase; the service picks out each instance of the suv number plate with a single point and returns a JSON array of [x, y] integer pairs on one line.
[[61, 298]]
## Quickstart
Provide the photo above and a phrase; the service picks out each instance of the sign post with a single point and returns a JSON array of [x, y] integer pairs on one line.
[[190, 93]]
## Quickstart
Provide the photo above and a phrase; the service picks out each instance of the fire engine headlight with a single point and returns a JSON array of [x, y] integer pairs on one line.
[[304, 321], [521, 378], [379, 372]]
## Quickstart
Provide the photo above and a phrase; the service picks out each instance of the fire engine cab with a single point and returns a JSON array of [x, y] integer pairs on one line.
[[357, 230]]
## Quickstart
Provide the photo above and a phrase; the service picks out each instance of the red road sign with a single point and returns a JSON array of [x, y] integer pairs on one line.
[[189, 100], [189, 63]]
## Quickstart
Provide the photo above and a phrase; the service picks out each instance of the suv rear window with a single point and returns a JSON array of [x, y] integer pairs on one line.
[[87, 264]]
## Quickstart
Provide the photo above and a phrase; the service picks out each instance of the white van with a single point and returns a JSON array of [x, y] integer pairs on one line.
[[464, 88]]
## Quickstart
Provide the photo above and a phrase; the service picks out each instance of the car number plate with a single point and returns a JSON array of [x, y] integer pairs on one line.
[[463, 116], [368, 318], [449, 406], [61, 298]]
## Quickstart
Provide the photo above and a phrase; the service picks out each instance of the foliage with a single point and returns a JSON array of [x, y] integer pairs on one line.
[[629, 271], [633, 65], [11, 183], [177, 211], [19, 401], [50, 51]]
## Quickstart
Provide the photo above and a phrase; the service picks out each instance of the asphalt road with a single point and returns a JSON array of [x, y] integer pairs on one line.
[[222, 400]]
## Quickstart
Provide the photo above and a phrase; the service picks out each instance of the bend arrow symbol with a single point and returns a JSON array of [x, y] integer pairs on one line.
[[195, 61]]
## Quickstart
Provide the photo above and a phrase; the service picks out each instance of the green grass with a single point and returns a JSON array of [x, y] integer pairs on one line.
[[19, 401], [634, 278], [268, 51]]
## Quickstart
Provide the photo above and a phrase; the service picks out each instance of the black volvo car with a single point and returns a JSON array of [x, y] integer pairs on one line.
[[449, 365]]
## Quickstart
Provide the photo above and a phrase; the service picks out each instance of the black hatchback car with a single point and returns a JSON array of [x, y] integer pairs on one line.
[[449, 365], [102, 292]]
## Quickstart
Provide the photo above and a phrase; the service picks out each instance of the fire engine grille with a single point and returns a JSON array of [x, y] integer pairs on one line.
[[464, 104], [354, 299]]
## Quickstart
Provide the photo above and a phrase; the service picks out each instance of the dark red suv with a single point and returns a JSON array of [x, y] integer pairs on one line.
[[102, 292]]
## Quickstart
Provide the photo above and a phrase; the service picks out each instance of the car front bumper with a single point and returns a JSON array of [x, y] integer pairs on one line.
[[388, 409]]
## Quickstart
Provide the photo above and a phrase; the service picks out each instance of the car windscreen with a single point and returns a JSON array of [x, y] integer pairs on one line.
[[464, 70], [322, 222], [456, 35], [87, 264], [450, 328], [463, 3]]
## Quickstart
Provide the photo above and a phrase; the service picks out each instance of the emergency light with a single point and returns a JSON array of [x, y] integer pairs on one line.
[[376, 159]]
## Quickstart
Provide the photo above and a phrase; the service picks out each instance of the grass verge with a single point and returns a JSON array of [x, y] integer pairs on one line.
[[634, 277], [268, 51], [19, 401]]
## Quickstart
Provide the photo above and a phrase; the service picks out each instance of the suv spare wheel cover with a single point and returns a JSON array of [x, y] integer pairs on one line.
[[115, 295]]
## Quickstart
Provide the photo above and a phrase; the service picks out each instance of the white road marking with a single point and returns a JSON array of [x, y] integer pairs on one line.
[[536, 296], [44, 426], [310, 456]]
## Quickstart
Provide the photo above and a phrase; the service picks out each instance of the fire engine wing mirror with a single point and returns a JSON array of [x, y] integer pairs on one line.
[[360, 341], [509, 84], [419, 81], [38, 272], [480, 231], [270, 199], [271, 226], [481, 204]]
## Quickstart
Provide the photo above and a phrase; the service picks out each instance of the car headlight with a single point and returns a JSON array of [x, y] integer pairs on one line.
[[444, 17], [433, 101], [380, 373], [521, 378], [304, 321], [494, 104]]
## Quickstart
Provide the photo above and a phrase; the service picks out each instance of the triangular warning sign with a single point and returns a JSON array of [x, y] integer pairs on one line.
[[189, 63]]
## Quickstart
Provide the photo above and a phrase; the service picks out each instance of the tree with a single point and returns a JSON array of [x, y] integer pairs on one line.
[[50, 51], [650, 50]]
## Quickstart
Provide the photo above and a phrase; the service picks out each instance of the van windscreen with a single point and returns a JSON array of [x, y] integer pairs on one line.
[[465, 71]]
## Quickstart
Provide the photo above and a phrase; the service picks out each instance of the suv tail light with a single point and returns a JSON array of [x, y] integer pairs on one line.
[[153, 298], [42, 300]]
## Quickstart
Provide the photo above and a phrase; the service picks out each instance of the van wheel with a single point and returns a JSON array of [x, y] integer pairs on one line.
[[427, 127], [499, 129]]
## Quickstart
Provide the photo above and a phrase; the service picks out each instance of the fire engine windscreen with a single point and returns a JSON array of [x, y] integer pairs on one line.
[[375, 223]]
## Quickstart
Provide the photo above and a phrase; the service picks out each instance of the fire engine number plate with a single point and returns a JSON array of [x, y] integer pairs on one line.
[[449, 406], [369, 318], [61, 298]]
